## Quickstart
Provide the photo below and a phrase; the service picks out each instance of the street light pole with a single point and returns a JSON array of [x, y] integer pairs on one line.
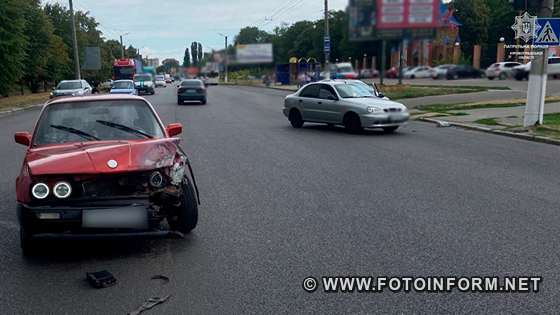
[[327, 35], [75, 44], [122, 45], [225, 58]]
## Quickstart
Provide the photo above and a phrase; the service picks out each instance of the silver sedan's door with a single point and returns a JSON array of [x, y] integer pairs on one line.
[[307, 100], [327, 107]]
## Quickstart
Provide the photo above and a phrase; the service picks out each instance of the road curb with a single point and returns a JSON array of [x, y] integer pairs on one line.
[[19, 109], [493, 131], [263, 87]]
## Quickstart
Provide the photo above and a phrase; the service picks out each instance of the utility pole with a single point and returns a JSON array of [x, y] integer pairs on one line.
[[327, 37], [75, 44], [536, 92], [122, 49], [122, 45]]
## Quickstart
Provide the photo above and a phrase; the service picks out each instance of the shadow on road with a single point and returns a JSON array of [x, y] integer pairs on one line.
[[74, 251], [343, 131]]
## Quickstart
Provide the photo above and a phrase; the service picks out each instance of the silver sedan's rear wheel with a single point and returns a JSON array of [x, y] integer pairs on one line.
[[295, 118]]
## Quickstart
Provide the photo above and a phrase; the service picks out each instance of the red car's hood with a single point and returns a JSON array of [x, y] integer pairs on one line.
[[93, 157]]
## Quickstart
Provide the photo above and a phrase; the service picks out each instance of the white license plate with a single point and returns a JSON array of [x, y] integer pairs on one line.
[[191, 91], [115, 218]]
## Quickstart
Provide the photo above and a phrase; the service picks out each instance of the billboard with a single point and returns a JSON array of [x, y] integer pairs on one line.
[[407, 14], [93, 59], [362, 19], [254, 53]]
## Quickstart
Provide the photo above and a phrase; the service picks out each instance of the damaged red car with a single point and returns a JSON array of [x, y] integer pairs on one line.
[[103, 166]]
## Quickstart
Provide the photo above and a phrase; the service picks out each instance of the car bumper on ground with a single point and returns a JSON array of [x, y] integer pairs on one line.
[[380, 120]]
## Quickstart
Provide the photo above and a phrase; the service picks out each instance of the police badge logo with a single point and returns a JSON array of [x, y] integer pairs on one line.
[[525, 27]]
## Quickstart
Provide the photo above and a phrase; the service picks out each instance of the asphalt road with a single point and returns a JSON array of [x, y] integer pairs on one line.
[[280, 204]]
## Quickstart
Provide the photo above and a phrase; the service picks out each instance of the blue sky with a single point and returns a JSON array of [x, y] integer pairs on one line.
[[164, 28]]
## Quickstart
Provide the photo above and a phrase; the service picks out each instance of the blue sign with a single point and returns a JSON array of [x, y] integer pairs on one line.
[[548, 32], [327, 44]]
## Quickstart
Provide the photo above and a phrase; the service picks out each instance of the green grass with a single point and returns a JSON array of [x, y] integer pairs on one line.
[[472, 87], [487, 121], [23, 100], [551, 119], [447, 107], [411, 91]]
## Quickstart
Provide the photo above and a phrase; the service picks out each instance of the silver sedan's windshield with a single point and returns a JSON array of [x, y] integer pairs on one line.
[[354, 90], [97, 120]]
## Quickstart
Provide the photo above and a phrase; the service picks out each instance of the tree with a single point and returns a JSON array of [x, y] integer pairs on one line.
[[38, 30], [200, 54], [252, 35], [58, 63], [169, 64], [187, 58], [12, 45], [194, 53], [475, 17]]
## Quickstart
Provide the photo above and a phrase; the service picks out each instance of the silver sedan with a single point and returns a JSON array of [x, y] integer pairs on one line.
[[350, 103]]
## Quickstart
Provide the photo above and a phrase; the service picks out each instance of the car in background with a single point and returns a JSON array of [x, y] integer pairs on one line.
[[344, 102], [144, 83], [368, 73], [439, 72], [72, 88], [123, 87], [418, 72], [103, 166], [106, 85], [343, 70], [522, 72], [168, 78], [393, 72], [463, 72], [160, 80], [501, 70], [191, 90], [213, 78]]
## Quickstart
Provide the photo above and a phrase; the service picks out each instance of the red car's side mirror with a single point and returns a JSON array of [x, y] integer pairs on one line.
[[23, 138], [174, 129]]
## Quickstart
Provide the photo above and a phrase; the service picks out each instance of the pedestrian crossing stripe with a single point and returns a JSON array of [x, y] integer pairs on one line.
[[547, 35]]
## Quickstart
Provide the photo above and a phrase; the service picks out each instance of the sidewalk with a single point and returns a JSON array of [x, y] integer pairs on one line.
[[491, 95]]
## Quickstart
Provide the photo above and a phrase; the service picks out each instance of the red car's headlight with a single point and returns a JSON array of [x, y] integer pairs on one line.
[[62, 190], [40, 191]]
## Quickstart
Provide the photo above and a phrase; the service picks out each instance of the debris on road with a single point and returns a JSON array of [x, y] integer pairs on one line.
[[101, 279], [442, 124], [150, 303]]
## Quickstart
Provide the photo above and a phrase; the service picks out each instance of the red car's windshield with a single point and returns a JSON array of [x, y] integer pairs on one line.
[[95, 121]]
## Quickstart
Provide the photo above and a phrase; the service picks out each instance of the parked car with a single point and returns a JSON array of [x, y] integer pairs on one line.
[[191, 90], [440, 72], [124, 87], [462, 72], [393, 72], [418, 72], [343, 70], [521, 72], [72, 88], [103, 166], [501, 70], [369, 73], [144, 83], [344, 102], [160, 80]]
